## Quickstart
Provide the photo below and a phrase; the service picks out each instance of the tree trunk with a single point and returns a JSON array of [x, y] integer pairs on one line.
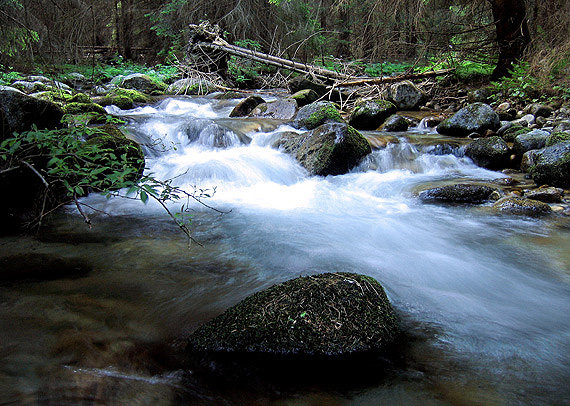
[[512, 33]]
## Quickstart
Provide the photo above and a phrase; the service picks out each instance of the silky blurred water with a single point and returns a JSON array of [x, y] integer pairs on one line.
[[485, 298]]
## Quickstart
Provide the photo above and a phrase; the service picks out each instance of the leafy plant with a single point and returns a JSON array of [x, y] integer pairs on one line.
[[245, 71], [519, 86], [8, 76]]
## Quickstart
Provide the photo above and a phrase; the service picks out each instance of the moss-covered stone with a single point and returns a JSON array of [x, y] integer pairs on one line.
[[459, 193], [557, 137], [122, 102], [552, 166], [491, 153], [80, 108], [80, 98], [134, 95], [316, 114], [305, 96], [476, 117], [510, 134], [371, 114], [321, 315]]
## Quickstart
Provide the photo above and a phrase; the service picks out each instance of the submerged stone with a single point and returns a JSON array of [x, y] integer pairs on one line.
[[320, 315]]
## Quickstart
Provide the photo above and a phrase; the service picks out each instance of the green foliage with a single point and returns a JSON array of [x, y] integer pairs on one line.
[[7, 75], [520, 86], [386, 68], [245, 71]]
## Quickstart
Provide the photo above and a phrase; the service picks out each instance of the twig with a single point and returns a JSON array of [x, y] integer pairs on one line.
[[36, 172], [78, 205]]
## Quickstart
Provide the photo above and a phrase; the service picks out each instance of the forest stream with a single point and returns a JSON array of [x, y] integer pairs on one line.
[[484, 299]]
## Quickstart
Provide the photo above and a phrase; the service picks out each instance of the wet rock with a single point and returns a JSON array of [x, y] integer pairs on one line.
[[331, 149], [280, 109], [18, 112], [316, 114], [305, 96], [301, 83], [476, 117], [322, 315], [506, 111], [143, 83], [459, 193], [479, 95], [81, 108], [491, 153], [529, 159], [513, 131], [191, 86], [552, 166], [545, 194], [525, 121], [405, 95], [246, 106], [371, 114], [562, 126], [396, 123], [521, 206], [557, 137], [535, 139]]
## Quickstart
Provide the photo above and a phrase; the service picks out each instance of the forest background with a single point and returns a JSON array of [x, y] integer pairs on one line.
[[376, 37]]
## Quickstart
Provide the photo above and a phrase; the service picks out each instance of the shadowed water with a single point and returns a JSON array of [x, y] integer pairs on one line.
[[484, 299]]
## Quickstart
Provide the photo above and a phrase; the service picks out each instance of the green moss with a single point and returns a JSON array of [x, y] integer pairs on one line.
[[122, 102], [557, 138], [59, 97], [510, 134], [80, 108], [133, 95], [322, 115], [80, 98]]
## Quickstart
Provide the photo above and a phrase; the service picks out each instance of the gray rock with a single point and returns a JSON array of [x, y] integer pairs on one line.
[[305, 96], [535, 139], [529, 159], [246, 106], [371, 114], [405, 95], [525, 120], [477, 117], [539, 110], [521, 206], [479, 95], [557, 137], [459, 193], [331, 149], [280, 109], [295, 318], [491, 153], [18, 112], [552, 166], [506, 111], [562, 126], [142, 83], [396, 123], [316, 114]]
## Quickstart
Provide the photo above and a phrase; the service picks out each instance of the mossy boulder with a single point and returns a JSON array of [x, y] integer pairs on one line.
[[557, 137], [331, 149], [305, 96], [395, 123], [81, 108], [474, 118], [143, 83], [491, 153], [280, 109], [122, 102], [405, 95], [316, 114], [371, 114], [18, 112], [459, 193], [246, 106], [511, 133], [552, 166], [535, 139], [331, 314], [521, 206]]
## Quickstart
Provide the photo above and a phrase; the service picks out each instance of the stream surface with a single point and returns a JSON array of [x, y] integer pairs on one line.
[[484, 299]]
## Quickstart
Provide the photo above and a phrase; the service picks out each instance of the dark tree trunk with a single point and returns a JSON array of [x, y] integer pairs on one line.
[[127, 29], [512, 33]]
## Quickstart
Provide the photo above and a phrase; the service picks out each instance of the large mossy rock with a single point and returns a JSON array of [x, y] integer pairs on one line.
[[371, 114], [475, 118], [459, 193], [322, 315], [316, 114], [405, 95], [552, 166], [535, 139], [491, 153], [331, 149], [143, 83], [18, 112], [557, 137]]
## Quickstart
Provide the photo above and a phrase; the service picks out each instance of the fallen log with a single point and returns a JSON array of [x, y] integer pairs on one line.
[[389, 79]]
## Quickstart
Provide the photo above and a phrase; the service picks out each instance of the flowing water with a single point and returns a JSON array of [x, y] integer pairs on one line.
[[484, 299]]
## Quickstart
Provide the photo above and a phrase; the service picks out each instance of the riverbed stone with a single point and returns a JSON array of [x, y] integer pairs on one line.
[[521, 206], [246, 106], [280, 109], [539, 110], [491, 153], [476, 117], [547, 194], [396, 123], [143, 83], [305, 96], [371, 114], [405, 95], [331, 314], [513, 131], [316, 114], [458, 193], [557, 137], [535, 139], [552, 166], [18, 112]]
